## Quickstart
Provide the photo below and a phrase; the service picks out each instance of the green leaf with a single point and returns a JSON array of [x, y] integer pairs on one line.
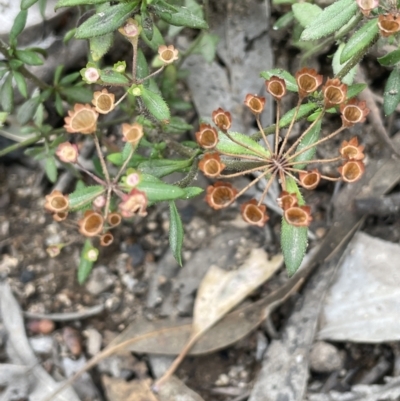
[[99, 45], [109, 76], [117, 160], [155, 104], [7, 94], [354, 90], [147, 22], [39, 115], [306, 13], [26, 112], [126, 151], [177, 125], [293, 239], [159, 191], [106, 21], [142, 68], [178, 16], [19, 24], [227, 146], [207, 46], [161, 168], [191, 192], [29, 57], [21, 83], [70, 78], [82, 197], [337, 66], [71, 3], [391, 94], [57, 74], [78, 94], [360, 40], [284, 21], [311, 137], [389, 59], [304, 111], [59, 104], [51, 169], [85, 265], [175, 232], [289, 79], [330, 20], [25, 4], [156, 41]]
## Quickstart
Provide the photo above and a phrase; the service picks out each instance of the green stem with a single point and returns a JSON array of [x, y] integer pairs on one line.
[[19, 145]]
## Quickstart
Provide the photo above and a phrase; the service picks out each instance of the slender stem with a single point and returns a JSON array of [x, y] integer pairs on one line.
[[290, 127], [120, 100], [140, 81], [243, 145], [134, 59], [267, 187], [108, 201], [125, 164], [263, 134], [19, 145], [89, 173], [330, 136], [310, 127], [278, 112], [252, 170], [283, 180], [101, 157], [293, 177], [245, 157], [185, 181], [334, 159], [325, 177]]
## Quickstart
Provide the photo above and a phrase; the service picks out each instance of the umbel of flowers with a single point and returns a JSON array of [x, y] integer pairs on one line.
[[281, 159]]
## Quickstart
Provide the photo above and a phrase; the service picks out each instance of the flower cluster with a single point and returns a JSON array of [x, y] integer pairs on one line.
[[280, 160]]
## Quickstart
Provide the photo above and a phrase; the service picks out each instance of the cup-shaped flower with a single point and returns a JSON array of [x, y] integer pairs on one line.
[[351, 150], [106, 239], [308, 81], [287, 200], [222, 119], [167, 54], [56, 202], [91, 224], [388, 24], [132, 133], [207, 136], [131, 29], [90, 74], [220, 195], [82, 119], [334, 93], [253, 213], [310, 179], [114, 219], [60, 216], [276, 87], [255, 103], [366, 6], [103, 101], [211, 165], [352, 170], [298, 216], [134, 203], [67, 152], [353, 112]]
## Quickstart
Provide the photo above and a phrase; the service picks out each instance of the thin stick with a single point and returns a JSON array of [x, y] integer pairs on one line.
[[126, 162], [121, 99], [290, 127], [134, 59], [101, 157], [278, 112], [252, 170], [263, 134], [90, 174], [140, 81], [269, 183]]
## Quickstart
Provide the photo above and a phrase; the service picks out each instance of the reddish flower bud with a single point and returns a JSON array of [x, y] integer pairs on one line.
[[334, 92], [207, 136], [310, 179], [308, 81], [56, 202], [353, 112], [106, 239], [211, 165], [351, 150], [114, 219], [352, 170], [222, 119], [287, 200], [103, 101], [90, 74], [67, 152], [388, 24], [276, 87], [220, 195], [298, 216], [132, 179], [132, 133], [167, 54], [99, 202], [366, 6], [253, 213], [91, 224], [134, 203], [255, 103], [82, 119], [131, 29]]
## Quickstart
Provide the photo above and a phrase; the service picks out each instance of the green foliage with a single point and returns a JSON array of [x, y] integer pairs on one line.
[[391, 95], [84, 196], [85, 264], [309, 139], [226, 145], [155, 104], [175, 232], [289, 79]]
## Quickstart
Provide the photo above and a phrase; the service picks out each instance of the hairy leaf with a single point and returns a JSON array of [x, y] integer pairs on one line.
[[289, 79], [311, 137], [83, 196], [391, 95], [175, 232], [228, 146]]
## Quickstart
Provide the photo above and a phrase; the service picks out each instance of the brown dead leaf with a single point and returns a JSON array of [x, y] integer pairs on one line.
[[174, 390], [121, 390]]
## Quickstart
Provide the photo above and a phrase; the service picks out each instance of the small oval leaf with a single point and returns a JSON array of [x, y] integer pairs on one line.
[[155, 104], [391, 95], [83, 196], [175, 232]]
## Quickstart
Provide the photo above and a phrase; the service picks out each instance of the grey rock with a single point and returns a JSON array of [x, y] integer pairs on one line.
[[100, 280], [325, 358]]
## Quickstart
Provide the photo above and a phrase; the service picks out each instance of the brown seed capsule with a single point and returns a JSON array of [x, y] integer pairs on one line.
[[310, 179], [207, 136], [353, 112], [103, 101], [334, 92], [298, 216], [82, 119], [255, 103], [388, 24], [352, 170], [91, 224], [276, 87], [220, 195], [253, 213], [352, 150], [211, 165], [56, 202], [222, 119], [287, 200], [308, 81]]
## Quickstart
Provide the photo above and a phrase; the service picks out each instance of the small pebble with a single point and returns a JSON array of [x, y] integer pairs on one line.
[[325, 358], [42, 345], [43, 326], [136, 253], [223, 380]]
